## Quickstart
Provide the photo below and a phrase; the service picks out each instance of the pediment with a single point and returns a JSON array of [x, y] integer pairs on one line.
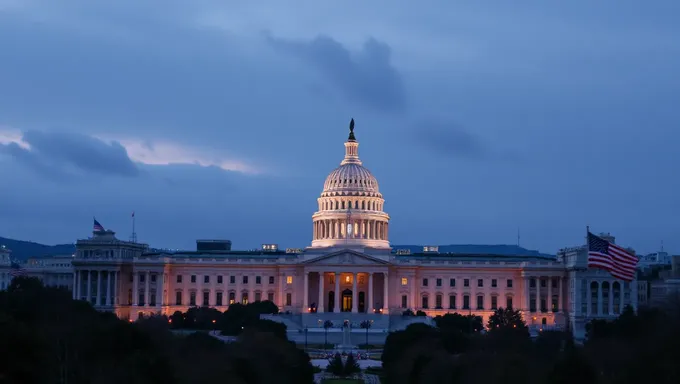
[[346, 257]]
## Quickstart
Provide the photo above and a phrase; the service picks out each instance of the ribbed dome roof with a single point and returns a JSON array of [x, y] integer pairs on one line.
[[349, 178]]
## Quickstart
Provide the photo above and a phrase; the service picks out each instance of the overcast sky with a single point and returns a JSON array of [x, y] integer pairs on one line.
[[221, 119]]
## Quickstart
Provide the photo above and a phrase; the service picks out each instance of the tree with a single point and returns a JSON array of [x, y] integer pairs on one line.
[[463, 323], [326, 325], [351, 366], [506, 318], [336, 366], [366, 324]]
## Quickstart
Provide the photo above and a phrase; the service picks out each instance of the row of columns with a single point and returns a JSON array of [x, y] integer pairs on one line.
[[362, 229], [147, 287], [334, 204], [527, 293], [111, 277], [355, 301], [599, 291]]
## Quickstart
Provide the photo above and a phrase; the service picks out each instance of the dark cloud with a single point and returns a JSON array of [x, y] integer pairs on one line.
[[60, 153], [367, 77]]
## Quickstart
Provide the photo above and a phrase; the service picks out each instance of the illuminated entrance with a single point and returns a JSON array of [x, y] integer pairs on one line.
[[346, 300]]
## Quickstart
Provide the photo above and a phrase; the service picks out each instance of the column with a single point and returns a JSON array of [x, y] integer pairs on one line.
[[108, 288], [79, 291], [114, 299], [336, 296], [305, 298], [99, 288], [371, 304], [633, 287], [527, 296], [146, 288], [239, 280], [621, 295], [538, 295], [354, 293], [550, 294], [610, 299], [88, 294], [282, 302], [74, 291], [559, 296], [385, 294], [159, 289], [589, 299], [135, 288], [600, 310], [320, 306]]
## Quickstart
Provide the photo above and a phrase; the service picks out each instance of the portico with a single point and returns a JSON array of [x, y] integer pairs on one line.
[[346, 281]]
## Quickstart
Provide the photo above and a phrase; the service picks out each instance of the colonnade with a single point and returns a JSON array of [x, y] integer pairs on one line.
[[355, 291], [555, 299], [361, 228], [95, 276]]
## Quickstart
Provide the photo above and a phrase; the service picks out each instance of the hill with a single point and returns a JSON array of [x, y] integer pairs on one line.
[[22, 250]]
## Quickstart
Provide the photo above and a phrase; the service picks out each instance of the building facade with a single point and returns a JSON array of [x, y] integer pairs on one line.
[[348, 272]]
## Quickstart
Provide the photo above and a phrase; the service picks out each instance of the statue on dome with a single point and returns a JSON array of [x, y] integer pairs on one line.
[[351, 131]]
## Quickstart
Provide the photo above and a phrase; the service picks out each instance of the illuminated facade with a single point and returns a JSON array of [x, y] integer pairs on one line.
[[349, 272]]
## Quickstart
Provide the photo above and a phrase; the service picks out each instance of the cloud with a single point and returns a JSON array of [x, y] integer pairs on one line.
[[366, 77], [68, 152]]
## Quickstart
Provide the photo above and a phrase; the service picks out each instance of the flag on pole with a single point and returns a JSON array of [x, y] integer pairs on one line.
[[618, 261], [16, 270], [97, 227]]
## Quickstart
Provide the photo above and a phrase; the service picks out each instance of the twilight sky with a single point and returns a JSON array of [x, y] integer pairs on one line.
[[221, 119]]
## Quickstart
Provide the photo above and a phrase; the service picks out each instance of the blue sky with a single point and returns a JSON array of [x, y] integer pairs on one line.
[[221, 119]]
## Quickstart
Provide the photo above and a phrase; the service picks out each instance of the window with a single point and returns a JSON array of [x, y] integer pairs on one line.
[[153, 278], [232, 298], [508, 283], [404, 301], [532, 283], [193, 278], [452, 301], [466, 302], [532, 303], [480, 282], [554, 305], [270, 296], [331, 280], [544, 283], [232, 279], [192, 299], [258, 280], [438, 301], [218, 299], [289, 280], [142, 277], [404, 281], [553, 282], [258, 296], [543, 305], [425, 302], [348, 279], [152, 298], [244, 298], [494, 283], [494, 302], [289, 299], [271, 280], [424, 282], [245, 279], [439, 282], [480, 302], [206, 298], [361, 279], [466, 282], [178, 298], [219, 279], [452, 282], [140, 299], [508, 302], [179, 278], [206, 279]]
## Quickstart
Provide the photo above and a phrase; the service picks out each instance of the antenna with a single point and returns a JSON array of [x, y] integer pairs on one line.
[[133, 237], [661, 245]]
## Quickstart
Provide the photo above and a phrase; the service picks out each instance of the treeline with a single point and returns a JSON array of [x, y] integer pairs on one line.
[[634, 348], [230, 322], [46, 337]]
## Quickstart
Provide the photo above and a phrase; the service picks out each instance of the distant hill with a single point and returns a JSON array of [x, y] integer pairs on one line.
[[22, 250]]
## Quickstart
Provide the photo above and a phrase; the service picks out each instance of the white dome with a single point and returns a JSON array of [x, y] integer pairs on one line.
[[351, 180]]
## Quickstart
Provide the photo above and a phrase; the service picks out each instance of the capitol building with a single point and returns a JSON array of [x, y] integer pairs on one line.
[[349, 272]]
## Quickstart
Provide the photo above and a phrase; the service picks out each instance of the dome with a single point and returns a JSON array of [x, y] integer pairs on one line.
[[351, 179]]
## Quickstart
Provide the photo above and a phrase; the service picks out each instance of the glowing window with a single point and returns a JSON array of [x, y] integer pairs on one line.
[[404, 281], [289, 279], [348, 279]]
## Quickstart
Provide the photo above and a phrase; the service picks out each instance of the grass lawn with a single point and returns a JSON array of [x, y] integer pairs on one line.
[[342, 381]]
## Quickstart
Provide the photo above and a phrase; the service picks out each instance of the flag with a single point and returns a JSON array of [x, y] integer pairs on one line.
[[133, 214], [16, 270], [97, 227], [619, 262]]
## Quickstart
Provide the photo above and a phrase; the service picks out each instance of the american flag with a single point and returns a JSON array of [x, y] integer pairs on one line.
[[97, 227], [16, 270], [619, 262]]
